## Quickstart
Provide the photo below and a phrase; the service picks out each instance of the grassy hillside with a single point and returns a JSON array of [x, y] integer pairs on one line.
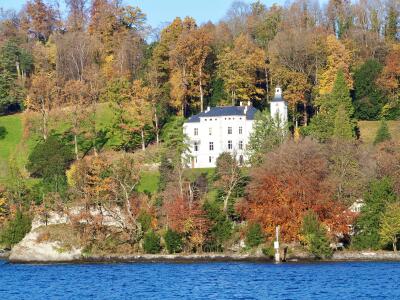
[[10, 137], [368, 130]]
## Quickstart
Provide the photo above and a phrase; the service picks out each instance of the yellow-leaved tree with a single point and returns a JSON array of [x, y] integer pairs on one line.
[[239, 67], [338, 58]]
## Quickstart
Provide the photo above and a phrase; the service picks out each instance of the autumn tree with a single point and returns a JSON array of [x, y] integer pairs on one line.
[[238, 66], [188, 58], [228, 176], [387, 157], [339, 14], [76, 97], [351, 167], [338, 58], [40, 19], [390, 81], [283, 188], [138, 111], [108, 183], [77, 14], [42, 98], [390, 225], [76, 54]]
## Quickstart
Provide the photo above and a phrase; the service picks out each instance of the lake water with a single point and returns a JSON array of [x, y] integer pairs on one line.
[[201, 281]]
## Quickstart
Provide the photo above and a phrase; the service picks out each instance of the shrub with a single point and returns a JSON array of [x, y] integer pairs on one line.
[[221, 229], [145, 220], [173, 241], [16, 229], [313, 236], [269, 251], [151, 243], [254, 235], [383, 133]]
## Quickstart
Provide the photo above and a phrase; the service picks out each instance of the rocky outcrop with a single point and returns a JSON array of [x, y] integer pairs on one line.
[[30, 249], [366, 256], [4, 254]]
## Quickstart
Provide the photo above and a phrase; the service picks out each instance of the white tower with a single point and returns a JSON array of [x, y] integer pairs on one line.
[[279, 107]]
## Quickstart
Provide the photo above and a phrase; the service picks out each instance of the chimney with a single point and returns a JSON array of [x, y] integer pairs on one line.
[[208, 109], [245, 110]]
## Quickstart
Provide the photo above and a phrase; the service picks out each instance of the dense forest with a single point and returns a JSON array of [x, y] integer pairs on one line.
[[67, 71]]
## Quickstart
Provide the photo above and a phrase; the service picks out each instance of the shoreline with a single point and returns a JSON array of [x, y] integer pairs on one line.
[[343, 256]]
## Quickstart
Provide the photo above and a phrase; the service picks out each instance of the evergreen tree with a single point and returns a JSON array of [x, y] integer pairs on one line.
[[392, 23], [380, 193], [49, 161], [383, 133], [266, 136], [314, 236], [344, 129], [14, 63], [368, 97], [323, 124], [16, 229]]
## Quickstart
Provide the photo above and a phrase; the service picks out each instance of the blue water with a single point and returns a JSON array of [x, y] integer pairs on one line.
[[201, 281]]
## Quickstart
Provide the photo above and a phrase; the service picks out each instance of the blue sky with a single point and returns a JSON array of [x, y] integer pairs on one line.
[[161, 11]]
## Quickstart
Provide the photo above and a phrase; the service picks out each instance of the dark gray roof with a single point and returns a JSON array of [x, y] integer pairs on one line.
[[221, 111], [278, 98]]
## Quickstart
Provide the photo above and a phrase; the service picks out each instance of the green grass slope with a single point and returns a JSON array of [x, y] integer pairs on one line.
[[11, 130], [368, 130]]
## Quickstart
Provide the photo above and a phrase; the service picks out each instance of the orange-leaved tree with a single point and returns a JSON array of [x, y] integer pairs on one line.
[[290, 182]]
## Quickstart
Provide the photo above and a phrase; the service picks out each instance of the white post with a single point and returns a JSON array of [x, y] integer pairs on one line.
[[276, 245]]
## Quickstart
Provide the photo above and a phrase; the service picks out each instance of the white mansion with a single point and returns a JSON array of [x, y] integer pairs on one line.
[[226, 129]]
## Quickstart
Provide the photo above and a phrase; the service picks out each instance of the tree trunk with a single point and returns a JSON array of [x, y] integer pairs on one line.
[[267, 83], [157, 129], [395, 244], [226, 200], [143, 142], [76, 146], [18, 70], [201, 92], [305, 114], [44, 120]]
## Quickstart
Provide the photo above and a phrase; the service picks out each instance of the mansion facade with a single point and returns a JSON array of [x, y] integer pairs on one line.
[[225, 129]]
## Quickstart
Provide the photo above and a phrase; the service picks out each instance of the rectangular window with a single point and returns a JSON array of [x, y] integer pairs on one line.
[[240, 145], [196, 131], [230, 145], [196, 147], [229, 130], [210, 131], [210, 159], [211, 146], [240, 130]]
